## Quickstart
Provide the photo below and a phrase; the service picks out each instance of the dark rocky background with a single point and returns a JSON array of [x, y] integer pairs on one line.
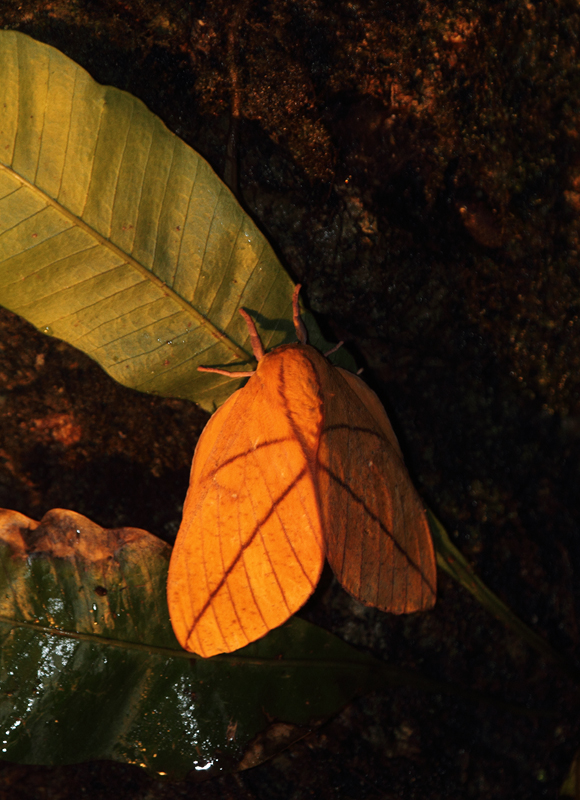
[[417, 166]]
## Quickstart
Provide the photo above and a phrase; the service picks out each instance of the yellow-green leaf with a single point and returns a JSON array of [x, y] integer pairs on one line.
[[120, 239]]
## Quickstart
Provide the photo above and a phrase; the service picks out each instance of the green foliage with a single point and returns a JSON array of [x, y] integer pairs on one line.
[[90, 668], [120, 239]]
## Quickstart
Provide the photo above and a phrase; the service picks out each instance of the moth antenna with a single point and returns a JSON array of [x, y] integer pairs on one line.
[[225, 372], [298, 324], [333, 349], [255, 340], [256, 347]]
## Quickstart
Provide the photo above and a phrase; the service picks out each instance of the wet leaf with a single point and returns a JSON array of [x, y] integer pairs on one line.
[[90, 668], [120, 239]]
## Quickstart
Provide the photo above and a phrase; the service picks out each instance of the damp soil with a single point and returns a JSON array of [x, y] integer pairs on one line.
[[416, 165]]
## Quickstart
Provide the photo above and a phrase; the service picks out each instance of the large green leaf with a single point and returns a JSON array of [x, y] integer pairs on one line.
[[120, 239], [90, 668]]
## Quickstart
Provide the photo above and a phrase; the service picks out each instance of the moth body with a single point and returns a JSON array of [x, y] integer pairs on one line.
[[298, 465]]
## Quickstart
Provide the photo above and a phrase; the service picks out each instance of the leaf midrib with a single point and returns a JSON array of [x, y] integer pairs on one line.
[[169, 652], [147, 274]]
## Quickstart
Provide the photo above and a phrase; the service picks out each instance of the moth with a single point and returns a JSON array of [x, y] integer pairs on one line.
[[299, 465]]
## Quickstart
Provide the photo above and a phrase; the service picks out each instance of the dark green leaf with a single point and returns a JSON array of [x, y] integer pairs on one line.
[[451, 561], [90, 669]]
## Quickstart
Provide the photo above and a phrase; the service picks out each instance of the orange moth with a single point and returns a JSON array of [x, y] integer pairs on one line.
[[300, 464]]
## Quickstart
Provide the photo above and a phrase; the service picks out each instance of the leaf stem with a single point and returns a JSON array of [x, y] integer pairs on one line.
[[451, 561]]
